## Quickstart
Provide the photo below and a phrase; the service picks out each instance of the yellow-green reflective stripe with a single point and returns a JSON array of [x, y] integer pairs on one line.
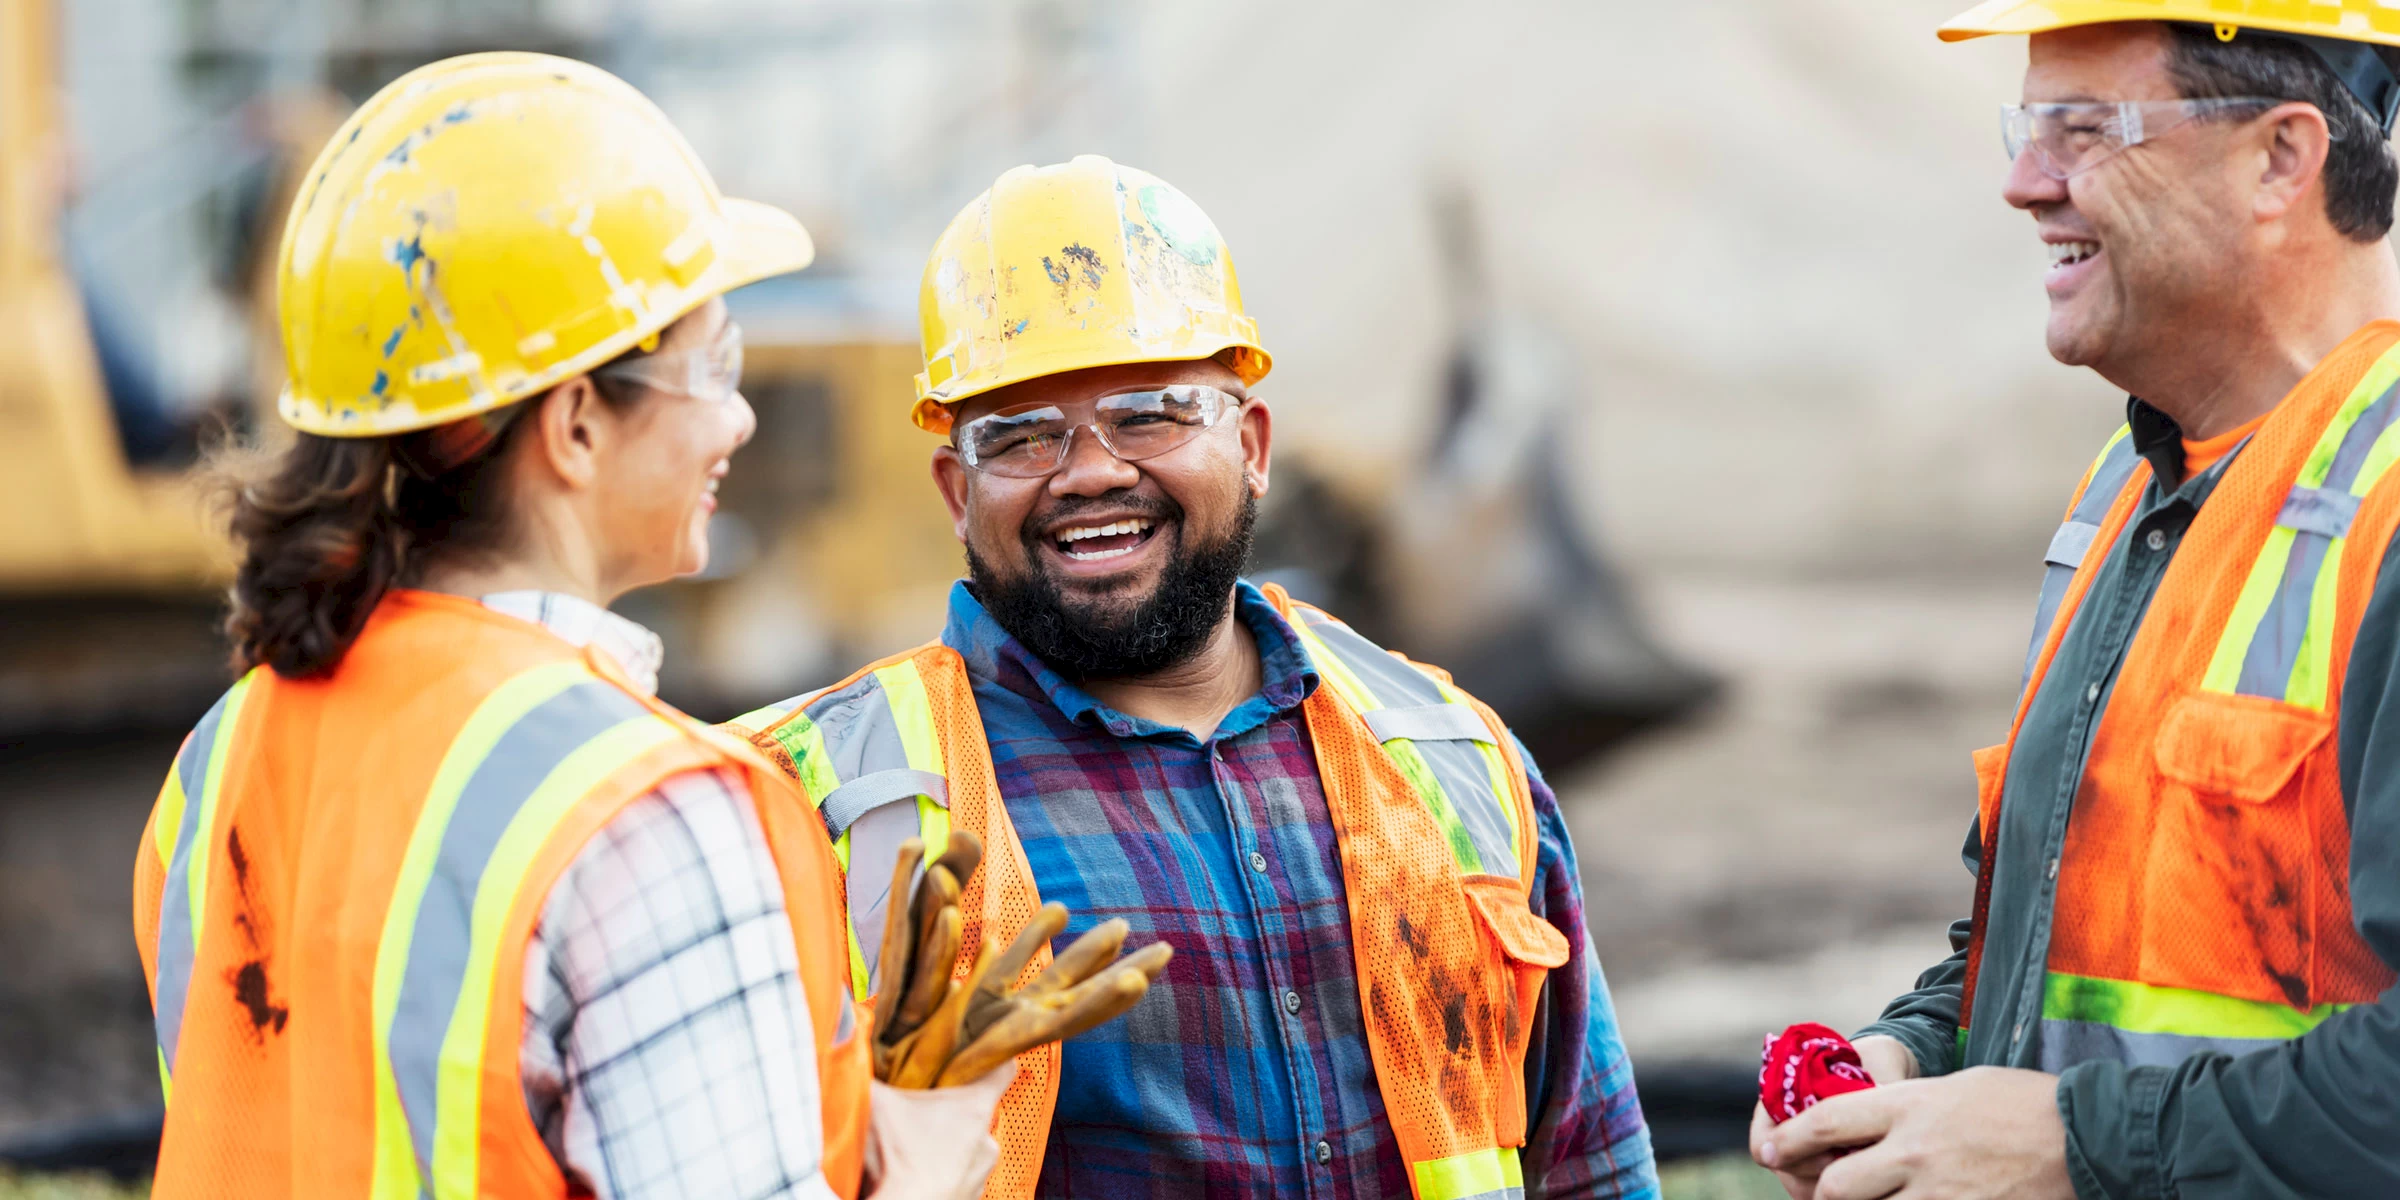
[[2148, 1008], [1333, 671], [210, 794], [2258, 591], [458, 1108], [805, 742], [1476, 1173], [169, 819], [1403, 752], [912, 715], [395, 1159], [2371, 387], [1495, 764]]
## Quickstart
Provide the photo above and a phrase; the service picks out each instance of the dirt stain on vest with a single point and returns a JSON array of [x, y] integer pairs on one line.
[[1413, 938], [250, 991]]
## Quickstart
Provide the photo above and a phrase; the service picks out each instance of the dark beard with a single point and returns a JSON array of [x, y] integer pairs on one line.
[[1106, 641]]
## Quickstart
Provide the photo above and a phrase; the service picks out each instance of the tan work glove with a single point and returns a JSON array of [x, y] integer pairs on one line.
[[932, 1030]]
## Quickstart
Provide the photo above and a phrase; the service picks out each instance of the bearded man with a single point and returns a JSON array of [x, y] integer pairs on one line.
[[1381, 983]]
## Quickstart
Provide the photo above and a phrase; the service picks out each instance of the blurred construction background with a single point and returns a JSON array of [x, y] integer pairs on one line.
[[1672, 369]]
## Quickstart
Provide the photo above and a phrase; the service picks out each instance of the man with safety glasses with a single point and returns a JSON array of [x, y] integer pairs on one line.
[[2177, 978], [1381, 984]]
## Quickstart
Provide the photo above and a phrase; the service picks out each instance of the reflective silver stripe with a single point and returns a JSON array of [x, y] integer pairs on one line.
[[2321, 511], [2070, 543], [2318, 517], [176, 946], [2066, 1043], [864, 750], [1428, 722], [1506, 1193], [444, 927], [2074, 539], [866, 793], [1458, 765]]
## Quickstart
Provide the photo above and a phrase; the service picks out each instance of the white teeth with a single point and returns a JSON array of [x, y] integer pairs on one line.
[[1082, 532], [1086, 532], [2067, 253]]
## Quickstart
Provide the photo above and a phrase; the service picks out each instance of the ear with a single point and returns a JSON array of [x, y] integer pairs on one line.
[[1258, 439], [573, 431], [950, 478], [2295, 141]]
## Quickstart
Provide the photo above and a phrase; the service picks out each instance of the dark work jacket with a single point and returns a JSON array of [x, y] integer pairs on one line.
[[2318, 1116]]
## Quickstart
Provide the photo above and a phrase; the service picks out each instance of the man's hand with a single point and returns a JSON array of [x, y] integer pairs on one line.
[[1887, 1060], [1986, 1133]]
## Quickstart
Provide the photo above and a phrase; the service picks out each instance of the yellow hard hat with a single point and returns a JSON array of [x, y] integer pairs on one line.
[[490, 225], [2338, 32], [1079, 264]]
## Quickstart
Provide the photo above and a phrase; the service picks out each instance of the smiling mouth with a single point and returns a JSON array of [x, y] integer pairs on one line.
[[1098, 543], [2067, 254]]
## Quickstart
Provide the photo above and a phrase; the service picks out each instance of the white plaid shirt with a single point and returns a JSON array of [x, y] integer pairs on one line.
[[668, 1051]]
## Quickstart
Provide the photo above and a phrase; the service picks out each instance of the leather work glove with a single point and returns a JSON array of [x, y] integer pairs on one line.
[[935, 1031]]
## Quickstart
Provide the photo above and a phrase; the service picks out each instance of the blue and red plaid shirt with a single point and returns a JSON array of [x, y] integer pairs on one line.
[[1245, 1072]]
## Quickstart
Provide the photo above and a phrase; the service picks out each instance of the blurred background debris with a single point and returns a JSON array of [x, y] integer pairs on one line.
[[1672, 373]]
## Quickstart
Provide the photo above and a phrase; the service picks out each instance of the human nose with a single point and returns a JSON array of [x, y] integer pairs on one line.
[[2028, 185], [1091, 468], [747, 418]]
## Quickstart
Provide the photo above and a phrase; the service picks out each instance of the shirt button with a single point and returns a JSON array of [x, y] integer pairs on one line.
[[1258, 862], [2157, 540], [2018, 1034], [2052, 870], [1324, 1152], [1291, 1003], [2091, 695]]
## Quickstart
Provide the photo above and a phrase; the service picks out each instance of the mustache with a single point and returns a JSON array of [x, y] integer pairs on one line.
[[1158, 509]]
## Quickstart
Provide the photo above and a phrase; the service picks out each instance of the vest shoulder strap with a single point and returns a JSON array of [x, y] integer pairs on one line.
[[1448, 745]]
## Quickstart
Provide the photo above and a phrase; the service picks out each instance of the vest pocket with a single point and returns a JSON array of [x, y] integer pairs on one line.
[[2229, 888], [1529, 946]]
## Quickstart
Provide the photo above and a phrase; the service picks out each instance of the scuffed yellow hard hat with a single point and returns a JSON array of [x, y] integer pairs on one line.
[[1079, 264], [489, 226]]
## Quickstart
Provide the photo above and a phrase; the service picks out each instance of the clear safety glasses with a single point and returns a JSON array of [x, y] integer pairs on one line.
[[1031, 441], [711, 372], [2071, 138]]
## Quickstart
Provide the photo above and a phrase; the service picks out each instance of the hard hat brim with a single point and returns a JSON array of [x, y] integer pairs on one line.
[[767, 242], [1998, 17]]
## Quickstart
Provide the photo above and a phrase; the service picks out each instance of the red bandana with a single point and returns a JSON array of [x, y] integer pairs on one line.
[[1805, 1064]]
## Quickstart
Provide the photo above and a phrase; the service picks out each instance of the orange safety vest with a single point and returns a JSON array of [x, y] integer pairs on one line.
[[336, 890], [2203, 893], [1430, 806]]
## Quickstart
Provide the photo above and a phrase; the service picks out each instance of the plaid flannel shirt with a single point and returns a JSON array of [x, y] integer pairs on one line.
[[1246, 1072], [667, 1049]]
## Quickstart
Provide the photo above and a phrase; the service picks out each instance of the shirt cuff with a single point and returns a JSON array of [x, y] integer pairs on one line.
[[1932, 1044], [2111, 1115]]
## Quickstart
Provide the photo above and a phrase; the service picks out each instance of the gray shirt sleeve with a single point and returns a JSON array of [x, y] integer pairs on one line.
[[1925, 1019]]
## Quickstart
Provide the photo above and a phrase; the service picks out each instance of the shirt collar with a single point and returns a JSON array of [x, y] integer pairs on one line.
[[583, 623], [992, 653], [2158, 438]]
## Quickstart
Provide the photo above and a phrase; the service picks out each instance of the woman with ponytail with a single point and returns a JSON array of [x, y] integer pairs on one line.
[[438, 899]]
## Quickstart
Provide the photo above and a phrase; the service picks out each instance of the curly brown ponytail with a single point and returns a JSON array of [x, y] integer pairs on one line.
[[328, 525]]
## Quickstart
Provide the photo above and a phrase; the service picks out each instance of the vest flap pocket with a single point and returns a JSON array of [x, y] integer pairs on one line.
[[1522, 936], [2246, 747]]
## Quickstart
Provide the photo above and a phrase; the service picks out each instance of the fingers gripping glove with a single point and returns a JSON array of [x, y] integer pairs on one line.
[[934, 1029]]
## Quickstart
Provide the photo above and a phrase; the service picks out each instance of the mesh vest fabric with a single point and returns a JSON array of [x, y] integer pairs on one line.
[[1435, 823], [333, 908], [2203, 888]]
